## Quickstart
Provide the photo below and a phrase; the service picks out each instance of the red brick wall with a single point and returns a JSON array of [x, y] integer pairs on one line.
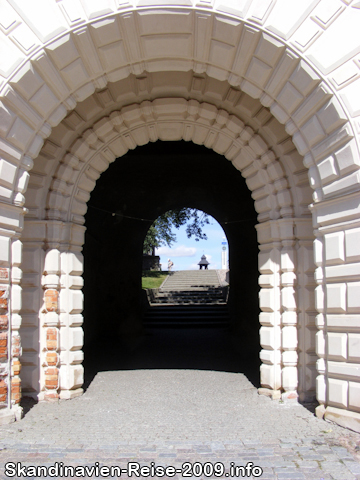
[[4, 339]]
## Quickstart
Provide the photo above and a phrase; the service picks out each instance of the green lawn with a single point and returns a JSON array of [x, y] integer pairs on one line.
[[152, 279]]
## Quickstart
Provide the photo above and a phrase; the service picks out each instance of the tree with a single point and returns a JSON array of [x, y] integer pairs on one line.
[[161, 231]]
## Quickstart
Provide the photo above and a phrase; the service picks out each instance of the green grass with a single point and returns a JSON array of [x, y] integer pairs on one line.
[[152, 279]]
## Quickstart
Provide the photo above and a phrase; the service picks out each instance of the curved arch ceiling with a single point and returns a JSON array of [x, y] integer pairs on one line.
[[251, 47], [215, 107]]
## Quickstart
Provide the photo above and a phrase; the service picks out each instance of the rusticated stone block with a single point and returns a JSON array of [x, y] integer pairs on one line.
[[353, 301], [16, 346], [344, 418], [338, 392], [16, 390], [352, 244], [337, 346], [51, 300], [74, 301], [4, 322], [336, 298], [335, 248], [51, 339], [289, 379], [270, 376], [52, 359]]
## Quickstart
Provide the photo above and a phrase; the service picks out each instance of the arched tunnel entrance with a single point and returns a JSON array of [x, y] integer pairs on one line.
[[281, 110], [128, 197]]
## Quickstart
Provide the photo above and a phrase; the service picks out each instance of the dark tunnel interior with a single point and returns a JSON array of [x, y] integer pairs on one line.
[[132, 193]]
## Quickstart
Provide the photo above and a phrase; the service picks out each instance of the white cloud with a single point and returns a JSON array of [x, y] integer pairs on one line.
[[215, 235], [180, 251]]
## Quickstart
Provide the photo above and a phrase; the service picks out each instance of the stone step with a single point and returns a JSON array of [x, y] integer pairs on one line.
[[194, 273], [175, 300], [186, 293], [200, 281], [171, 321], [188, 302], [201, 310], [196, 291], [204, 278], [186, 324], [188, 299], [191, 279], [187, 316], [189, 308], [191, 286]]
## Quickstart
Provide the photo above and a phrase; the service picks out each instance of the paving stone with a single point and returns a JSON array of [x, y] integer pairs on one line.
[[353, 466], [187, 420]]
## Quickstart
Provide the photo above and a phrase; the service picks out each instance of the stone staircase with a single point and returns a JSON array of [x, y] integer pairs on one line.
[[188, 299], [190, 279]]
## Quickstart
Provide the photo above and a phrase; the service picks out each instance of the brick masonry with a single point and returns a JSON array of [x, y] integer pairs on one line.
[[4, 339], [51, 357]]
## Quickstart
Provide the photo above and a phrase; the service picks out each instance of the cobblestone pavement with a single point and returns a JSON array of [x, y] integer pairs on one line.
[[174, 416]]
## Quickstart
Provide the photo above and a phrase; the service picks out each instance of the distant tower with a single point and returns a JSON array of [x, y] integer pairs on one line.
[[203, 263], [224, 262]]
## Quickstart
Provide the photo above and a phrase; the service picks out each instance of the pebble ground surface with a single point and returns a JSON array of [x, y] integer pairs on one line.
[[163, 404]]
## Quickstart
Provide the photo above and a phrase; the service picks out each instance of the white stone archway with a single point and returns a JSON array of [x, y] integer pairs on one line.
[[174, 119], [276, 52]]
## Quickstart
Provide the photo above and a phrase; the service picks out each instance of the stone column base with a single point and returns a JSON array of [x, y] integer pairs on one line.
[[286, 397], [68, 394], [344, 418], [290, 397], [273, 394], [7, 416]]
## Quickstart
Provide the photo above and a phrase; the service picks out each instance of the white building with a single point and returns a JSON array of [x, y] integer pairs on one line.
[[84, 81]]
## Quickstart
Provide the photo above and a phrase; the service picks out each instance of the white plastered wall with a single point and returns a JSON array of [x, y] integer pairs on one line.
[[299, 59]]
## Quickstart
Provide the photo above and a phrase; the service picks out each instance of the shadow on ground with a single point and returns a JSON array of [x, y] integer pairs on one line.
[[27, 403], [213, 349]]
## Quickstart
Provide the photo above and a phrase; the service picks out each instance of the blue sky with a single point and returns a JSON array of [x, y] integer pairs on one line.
[[186, 252]]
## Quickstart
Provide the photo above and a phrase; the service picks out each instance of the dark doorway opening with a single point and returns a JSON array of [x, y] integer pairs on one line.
[[128, 197]]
